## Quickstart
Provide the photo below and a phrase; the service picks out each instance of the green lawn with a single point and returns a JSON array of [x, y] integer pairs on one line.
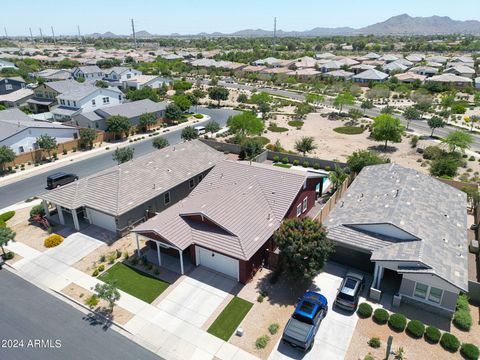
[[349, 130], [136, 283], [286, 166], [227, 322]]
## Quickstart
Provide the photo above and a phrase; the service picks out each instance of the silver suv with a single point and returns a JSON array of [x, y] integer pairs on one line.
[[350, 290]]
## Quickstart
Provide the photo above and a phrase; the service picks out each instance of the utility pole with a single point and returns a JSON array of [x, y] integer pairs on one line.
[[275, 30], [41, 35], [6, 35], [134, 36], [31, 36], [53, 36], [79, 35]]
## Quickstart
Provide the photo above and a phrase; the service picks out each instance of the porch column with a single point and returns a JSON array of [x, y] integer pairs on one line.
[[375, 276], [60, 215], [76, 224], [380, 275], [138, 244], [180, 252], [158, 253], [45, 208]]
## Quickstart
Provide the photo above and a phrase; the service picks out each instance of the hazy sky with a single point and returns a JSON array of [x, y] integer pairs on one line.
[[189, 16]]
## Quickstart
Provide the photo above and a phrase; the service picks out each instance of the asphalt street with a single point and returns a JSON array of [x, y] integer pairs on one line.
[[36, 184], [35, 325]]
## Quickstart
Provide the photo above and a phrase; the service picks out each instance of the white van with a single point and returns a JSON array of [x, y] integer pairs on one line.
[[200, 130]]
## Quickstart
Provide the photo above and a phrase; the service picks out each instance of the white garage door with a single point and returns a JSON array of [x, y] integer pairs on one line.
[[218, 262], [102, 220]]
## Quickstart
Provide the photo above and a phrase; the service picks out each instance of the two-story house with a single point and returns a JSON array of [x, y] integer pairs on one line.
[[45, 95], [86, 98], [90, 73], [11, 84], [118, 74], [54, 74]]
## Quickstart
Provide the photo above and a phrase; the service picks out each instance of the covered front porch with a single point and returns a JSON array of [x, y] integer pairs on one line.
[[64, 216]]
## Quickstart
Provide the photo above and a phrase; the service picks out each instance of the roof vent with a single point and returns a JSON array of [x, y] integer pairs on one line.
[[343, 203], [396, 193], [173, 148], [445, 240]]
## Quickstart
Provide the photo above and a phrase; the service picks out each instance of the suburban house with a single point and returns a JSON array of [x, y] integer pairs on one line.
[[118, 74], [369, 76], [228, 220], [11, 84], [425, 70], [85, 98], [54, 74], [45, 95], [119, 197], [19, 131], [97, 119], [410, 77], [410, 229], [459, 82], [4, 64], [461, 70], [141, 81], [89, 73], [17, 98]]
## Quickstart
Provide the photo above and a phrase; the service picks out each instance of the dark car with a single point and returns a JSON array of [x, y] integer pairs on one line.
[[350, 290], [303, 325], [59, 179]]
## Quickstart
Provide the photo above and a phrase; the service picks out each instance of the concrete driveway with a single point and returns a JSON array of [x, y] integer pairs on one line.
[[335, 332], [197, 296]]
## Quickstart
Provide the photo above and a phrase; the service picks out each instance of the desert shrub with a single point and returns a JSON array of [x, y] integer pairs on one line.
[[198, 116], [273, 328], [397, 322], [432, 334], [316, 166], [349, 130], [111, 258], [103, 258], [414, 141], [364, 310], [285, 160], [260, 298], [95, 273], [374, 342], [7, 216], [118, 254], [53, 240], [92, 301], [295, 123], [380, 316], [369, 357], [101, 268], [449, 342], [415, 328], [469, 351], [433, 152], [296, 162], [462, 319], [276, 158], [37, 210], [305, 164], [9, 255], [462, 302], [262, 341]]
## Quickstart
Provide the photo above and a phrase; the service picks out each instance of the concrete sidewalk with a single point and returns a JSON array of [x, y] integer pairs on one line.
[[159, 331]]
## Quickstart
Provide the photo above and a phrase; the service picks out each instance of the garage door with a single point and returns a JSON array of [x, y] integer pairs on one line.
[[218, 262], [102, 220], [353, 258]]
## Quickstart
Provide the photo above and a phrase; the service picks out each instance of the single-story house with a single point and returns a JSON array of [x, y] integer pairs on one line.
[[121, 196], [304, 73], [369, 76], [406, 226], [410, 77], [16, 98], [228, 221], [394, 67], [97, 119], [141, 81], [461, 70], [424, 70], [4, 64], [455, 80], [20, 132], [339, 74]]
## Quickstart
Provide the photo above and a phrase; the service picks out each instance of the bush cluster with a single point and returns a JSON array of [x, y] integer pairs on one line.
[[380, 316], [374, 342], [449, 342], [53, 240], [469, 351], [432, 334], [397, 322], [262, 341], [364, 310], [462, 318], [415, 328]]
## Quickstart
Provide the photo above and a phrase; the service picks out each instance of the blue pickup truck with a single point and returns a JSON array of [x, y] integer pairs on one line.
[[303, 325]]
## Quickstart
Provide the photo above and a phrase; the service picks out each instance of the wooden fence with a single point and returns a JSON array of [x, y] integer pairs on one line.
[[333, 200]]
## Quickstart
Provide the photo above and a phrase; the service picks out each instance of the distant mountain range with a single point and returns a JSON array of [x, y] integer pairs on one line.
[[397, 25]]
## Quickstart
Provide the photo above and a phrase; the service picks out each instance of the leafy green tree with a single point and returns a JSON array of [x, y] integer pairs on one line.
[[189, 133], [182, 86], [199, 94], [101, 84], [471, 120], [306, 144], [6, 234], [250, 148], [261, 97], [361, 158], [160, 143], [245, 124], [387, 128], [337, 176], [355, 114], [446, 166], [302, 109], [47, 143], [173, 112], [314, 99], [264, 108], [87, 137], [182, 101], [344, 99], [118, 125], [121, 155], [162, 90], [411, 113], [458, 139], [147, 120], [218, 93], [143, 93], [365, 105], [304, 247], [435, 122], [7, 155], [107, 292], [212, 127]]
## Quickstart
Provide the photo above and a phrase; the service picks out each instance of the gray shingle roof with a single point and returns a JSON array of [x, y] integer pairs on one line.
[[65, 86], [371, 74], [433, 213], [133, 109], [90, 69], [246, 202], [121, 188]]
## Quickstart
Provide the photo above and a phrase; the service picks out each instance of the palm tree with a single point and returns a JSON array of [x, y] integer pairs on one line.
[[305, 145], [337, 176]]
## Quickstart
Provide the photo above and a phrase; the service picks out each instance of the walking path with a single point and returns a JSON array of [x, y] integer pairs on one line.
[[159, 331]]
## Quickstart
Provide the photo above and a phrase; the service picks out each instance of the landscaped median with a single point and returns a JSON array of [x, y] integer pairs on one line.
[[230, 318], [134, 282]]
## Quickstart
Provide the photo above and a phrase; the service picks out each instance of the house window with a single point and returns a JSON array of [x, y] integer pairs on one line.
[[106, 100], [192, 183], [120, 97], [68, 102], [200, 177], [166, 198], [420, 290], [435, 295], [305, 204], [21, 149], [8, 87], [74, 103], [299, 210], [93, 102]]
